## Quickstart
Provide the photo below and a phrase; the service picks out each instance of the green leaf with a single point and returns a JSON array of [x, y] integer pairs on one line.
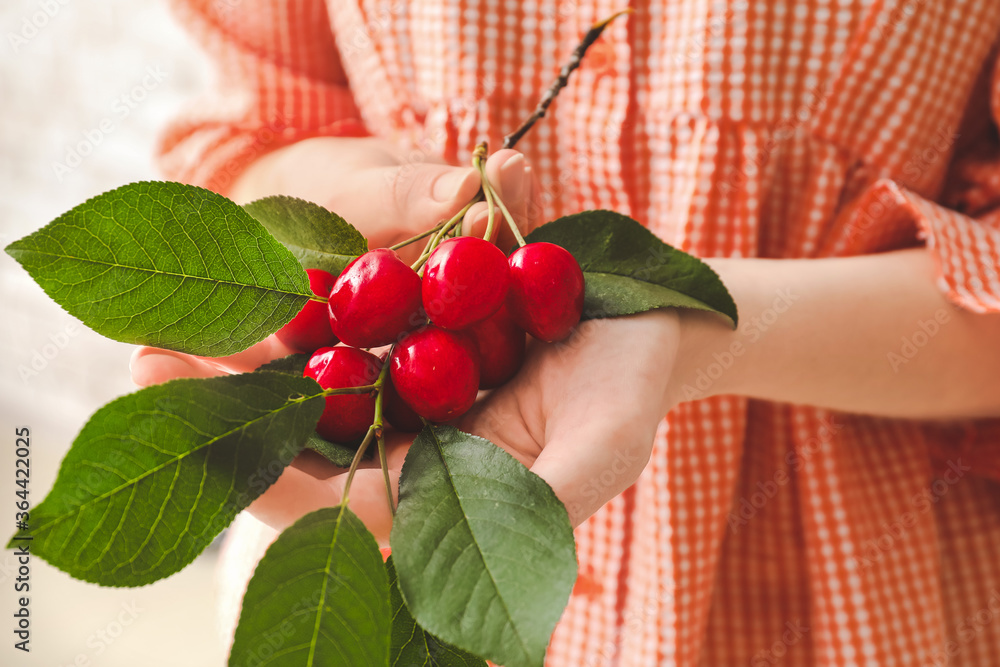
[[318, 238], [412, 646], [154, 476], [167, 265], [294, 364], [319, 597], [484, 549], [334, 452], [628, 270]]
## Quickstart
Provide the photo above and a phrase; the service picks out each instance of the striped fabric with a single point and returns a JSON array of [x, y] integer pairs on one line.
[[759, 534]]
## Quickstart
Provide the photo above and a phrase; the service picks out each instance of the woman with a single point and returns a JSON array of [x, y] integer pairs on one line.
[[821, 492]]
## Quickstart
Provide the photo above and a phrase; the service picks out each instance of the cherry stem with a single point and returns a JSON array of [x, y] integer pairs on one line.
[[480, 165], [317, 297], [374, 431], [442, 230], [380, 433], [561, 81], [493, 198], [510, 222], [413, 239]]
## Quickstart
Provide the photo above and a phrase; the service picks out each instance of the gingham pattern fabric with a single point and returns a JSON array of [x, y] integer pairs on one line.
[[759, 534]]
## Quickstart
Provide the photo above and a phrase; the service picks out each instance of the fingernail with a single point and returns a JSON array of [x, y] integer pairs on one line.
[[512, 179], [449, 185]]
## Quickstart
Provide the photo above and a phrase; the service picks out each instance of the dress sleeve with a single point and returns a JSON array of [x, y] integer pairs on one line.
[[961, 226], [280, 80], [965, 248], [961, 230]]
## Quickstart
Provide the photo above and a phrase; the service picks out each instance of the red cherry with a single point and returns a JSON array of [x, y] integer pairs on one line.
[[546, 290], [436, 372], [375, 299], [397, 412], [465, 281], [500, 343], [400, 415], [310, 329], [346, 417]]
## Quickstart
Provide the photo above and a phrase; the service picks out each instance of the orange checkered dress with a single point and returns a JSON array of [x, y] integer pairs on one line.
[[759, 533]]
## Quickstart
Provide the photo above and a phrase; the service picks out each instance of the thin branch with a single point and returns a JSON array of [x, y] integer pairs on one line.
[[560, 83]]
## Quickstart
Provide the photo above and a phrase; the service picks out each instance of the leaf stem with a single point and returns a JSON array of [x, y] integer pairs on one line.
[[384, 462], [364, 389], [362, 448]]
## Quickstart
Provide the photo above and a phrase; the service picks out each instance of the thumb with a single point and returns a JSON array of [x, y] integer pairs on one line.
[[420, 195], [512, 178]]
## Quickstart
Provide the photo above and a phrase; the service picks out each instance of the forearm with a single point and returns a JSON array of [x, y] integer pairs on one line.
[[870, 334]]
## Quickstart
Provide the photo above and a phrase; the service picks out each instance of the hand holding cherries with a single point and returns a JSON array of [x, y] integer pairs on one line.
[[456, 321]]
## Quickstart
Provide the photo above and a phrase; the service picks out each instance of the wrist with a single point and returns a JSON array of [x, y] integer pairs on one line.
[[713, 357]]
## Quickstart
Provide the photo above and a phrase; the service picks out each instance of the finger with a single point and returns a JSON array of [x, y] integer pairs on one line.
[[511, 177], [297, 493], [305, 488], [477, 219], [534, 209], [505, 169], [579, 461], [418, 196], [251, 358], [151, 365]]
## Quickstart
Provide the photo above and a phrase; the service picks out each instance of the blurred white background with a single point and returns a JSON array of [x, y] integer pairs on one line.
[[99, 78]]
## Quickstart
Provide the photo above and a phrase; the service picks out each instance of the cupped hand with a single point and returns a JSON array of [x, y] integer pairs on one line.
[[389, 194], [582, 414]]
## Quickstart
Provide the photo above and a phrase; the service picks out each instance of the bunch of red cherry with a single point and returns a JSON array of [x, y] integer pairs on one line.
[[457, 329]]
